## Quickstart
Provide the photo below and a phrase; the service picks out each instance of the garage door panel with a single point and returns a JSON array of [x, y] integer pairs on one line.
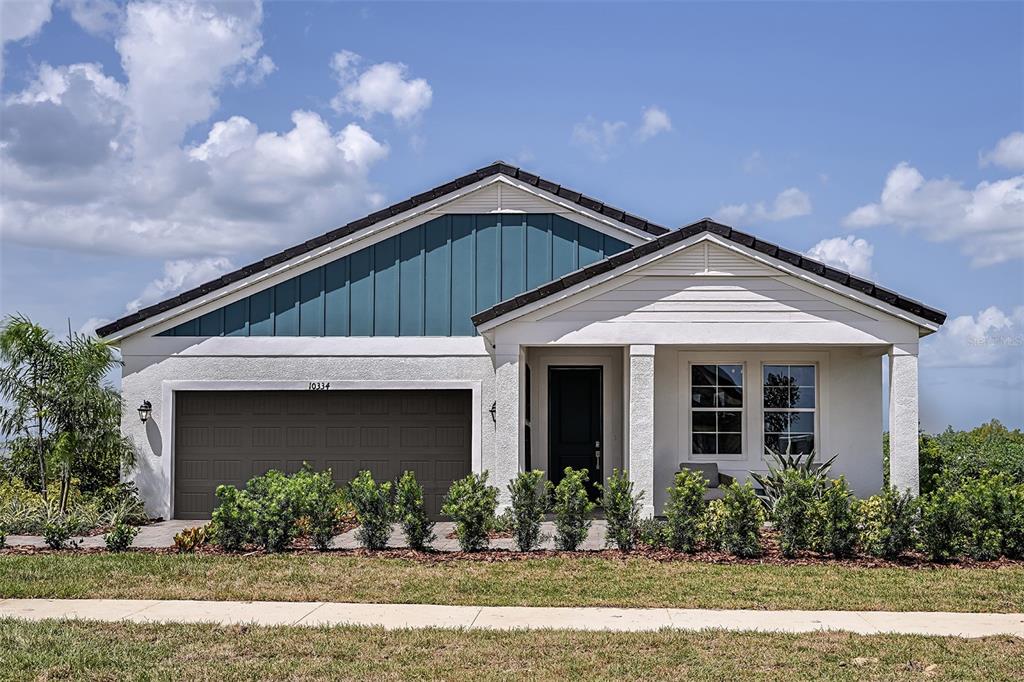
[[233, 436]]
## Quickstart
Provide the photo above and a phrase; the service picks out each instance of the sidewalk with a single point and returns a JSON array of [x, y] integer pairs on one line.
[[395, 616]]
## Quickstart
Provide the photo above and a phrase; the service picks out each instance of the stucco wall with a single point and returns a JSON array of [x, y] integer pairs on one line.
[[849, 412], [152, 365]]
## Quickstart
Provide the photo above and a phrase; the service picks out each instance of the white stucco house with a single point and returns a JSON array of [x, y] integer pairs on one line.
[[501, 322]]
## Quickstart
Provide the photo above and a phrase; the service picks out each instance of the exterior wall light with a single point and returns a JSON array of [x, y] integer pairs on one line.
[[145, 409]]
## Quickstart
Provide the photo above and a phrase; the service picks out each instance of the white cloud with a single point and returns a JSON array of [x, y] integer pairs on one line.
[[1008, 152], [850, 254], [600, 138], [89, 327], [655, 121], [180, 275], [20, 20], [991, 338], [93, 163], [987, 220], [98, 17], [789, 203], [383, 88]]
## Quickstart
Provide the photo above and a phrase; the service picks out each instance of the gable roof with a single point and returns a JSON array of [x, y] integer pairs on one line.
[[791, 257], [496, 168]]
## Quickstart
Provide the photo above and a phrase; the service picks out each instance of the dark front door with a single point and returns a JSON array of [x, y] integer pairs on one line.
[[574, 422]]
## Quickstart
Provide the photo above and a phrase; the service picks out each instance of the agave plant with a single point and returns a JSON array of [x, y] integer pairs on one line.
[[803, 464]]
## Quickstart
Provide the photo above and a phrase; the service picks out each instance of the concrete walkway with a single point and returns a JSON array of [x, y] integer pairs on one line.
[[394, 616], [161, 534]]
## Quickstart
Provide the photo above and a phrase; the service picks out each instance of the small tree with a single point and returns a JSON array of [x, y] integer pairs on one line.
[[742, 516], [374, 510], [792, 509], [529, 497], [685, 509], [471, 503], [572, 509], [834, 520], [621, 510], [411, 512]]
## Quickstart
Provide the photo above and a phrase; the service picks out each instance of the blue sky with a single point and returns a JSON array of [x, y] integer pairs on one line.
[[148, 148]]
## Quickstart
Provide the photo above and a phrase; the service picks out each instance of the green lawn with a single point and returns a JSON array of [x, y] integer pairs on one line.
[[535, 582], [75, 650]]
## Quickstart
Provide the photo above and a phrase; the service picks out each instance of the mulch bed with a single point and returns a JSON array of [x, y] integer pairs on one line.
[[771, 556]]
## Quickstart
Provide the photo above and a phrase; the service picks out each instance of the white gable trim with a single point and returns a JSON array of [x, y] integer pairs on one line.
[[806, 280], [367, 237]]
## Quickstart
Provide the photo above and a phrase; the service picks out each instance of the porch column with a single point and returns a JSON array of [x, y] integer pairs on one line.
[[641, 424], [903, 417], [508, 440]]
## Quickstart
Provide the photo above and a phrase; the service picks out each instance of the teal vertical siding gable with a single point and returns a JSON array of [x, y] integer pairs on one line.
[[426, 281]]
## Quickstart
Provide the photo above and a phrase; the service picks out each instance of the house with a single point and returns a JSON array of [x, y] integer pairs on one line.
[[501, 322]]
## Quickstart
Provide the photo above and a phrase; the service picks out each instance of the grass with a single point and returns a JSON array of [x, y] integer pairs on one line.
[[557, 581], [75, 650]]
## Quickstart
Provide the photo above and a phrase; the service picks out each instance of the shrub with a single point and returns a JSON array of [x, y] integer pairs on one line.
[[529, 496], [3, 537], [792, 508], [273, 511], [834, 520], [232, 520], [993, 515], [190, 539], [502, 523], [120, 536], [621, 510], [121, 501], [787, 465], [944, 524], [57, 533], [374, 511], [952, 457], [1013, 531], [652, 532], [412, 513], [315, 504], [711, 528], [888, 522], [686, 506], [742, 518], [572, 509], [471, 503]]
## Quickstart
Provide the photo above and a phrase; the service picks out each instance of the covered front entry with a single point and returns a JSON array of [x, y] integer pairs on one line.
[[575, 422], [231, 436]]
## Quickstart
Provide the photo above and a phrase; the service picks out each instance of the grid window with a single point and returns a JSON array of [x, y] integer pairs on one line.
[[789, 406], [716, 409]]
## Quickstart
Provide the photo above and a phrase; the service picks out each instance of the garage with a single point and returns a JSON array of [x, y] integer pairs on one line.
[[231, 436]]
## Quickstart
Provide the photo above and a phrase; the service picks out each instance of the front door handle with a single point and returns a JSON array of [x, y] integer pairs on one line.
[[597, 454]]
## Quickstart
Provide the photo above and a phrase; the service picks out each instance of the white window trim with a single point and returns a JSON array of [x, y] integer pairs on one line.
[[817, 400]]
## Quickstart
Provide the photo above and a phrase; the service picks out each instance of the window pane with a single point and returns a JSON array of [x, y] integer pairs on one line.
[[730, 375], [703, 397], [729, 397], [772, 443], [801, 396], [730, 444], [702, 375], [777, 422], [776, 375], [801, 422], [703, 443], [802, 375], [801, 443], [703, 421], [776, 397], [730, 421]]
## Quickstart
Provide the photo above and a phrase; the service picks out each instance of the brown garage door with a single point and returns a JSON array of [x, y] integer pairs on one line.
[[231, 436]]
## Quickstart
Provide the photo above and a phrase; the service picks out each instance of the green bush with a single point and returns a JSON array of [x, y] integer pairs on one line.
[[888, 523], [992, 503], [411, 512], [652, 532], [315, 504], [471, 503], [119, 537], [834, 520], [742, 518], [711, 528], [1013, 531], [374, 510], [232, 521], [273, 511], [685, 509], [621, 510], [57, 533], [572, 509], [953, 457], [529, 496], [944, 524], [788, 466], [191, 539], [792, 509]]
